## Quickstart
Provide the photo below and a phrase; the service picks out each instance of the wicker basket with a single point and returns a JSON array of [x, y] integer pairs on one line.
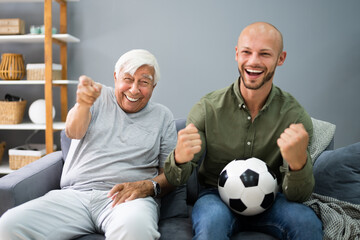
[[2, 149], [12, 112], [36, 71], [20, 156], [12, 66], [19, 161]]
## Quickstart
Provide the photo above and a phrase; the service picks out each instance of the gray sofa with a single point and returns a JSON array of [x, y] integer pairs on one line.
[[43, 175]]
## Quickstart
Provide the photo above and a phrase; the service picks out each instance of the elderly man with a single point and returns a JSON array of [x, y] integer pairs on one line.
[[251, 118], [112, 181]]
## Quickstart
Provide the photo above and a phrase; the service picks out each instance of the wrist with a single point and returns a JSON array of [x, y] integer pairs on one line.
[[82, 106], [156, 188], [297, 165], [176, 160]]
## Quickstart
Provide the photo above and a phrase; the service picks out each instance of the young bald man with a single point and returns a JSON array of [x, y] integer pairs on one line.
[[250, 118]]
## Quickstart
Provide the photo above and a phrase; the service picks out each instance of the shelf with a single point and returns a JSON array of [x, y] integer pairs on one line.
[[36, 82], [4, 167], [31, 126], [36, 38], [48, 39], [31, 1]]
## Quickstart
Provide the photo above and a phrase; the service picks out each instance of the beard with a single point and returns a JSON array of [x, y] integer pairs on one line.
[[266, 78]]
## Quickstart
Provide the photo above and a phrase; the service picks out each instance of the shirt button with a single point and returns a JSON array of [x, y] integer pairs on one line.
[[248, 143], [249, 118], [243, 106], [239, 105]]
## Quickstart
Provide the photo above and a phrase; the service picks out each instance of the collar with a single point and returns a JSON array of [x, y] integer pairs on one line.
[[236, 89]]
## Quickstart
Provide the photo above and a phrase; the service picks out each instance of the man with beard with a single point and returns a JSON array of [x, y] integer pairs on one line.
[[251, 118]]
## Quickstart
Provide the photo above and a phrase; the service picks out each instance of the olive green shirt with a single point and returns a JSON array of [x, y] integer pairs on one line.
[[228, 132]]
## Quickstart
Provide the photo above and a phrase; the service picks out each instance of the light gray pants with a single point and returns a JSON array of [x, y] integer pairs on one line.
[[66, 214]]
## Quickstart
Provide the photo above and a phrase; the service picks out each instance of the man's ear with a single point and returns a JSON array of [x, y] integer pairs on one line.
[[282, 58], [236, 53], [115, 77]]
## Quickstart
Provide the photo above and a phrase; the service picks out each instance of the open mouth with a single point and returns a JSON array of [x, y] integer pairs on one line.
[[253, 72], [131, 99]]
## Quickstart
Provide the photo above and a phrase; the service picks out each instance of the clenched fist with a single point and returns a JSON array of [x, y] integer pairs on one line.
[[88, 91], [293, 143], [188, 144]]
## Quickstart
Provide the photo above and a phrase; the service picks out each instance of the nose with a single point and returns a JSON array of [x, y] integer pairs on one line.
[[254, 59], [134, 89]]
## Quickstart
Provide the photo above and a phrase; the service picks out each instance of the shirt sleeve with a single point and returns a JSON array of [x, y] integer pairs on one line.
[[298, 185]]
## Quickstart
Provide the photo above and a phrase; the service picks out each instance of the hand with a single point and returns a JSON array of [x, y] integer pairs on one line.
[[293, 143], [188, 144], [124, 192], [88, 91]]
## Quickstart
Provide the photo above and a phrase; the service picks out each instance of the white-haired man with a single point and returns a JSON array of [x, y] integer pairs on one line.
[[112, 181]]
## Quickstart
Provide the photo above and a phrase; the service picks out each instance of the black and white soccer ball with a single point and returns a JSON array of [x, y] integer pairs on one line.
[[248, 187]]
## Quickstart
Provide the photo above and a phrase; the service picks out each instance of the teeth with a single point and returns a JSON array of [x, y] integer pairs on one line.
[[131, 99], [253, 71]]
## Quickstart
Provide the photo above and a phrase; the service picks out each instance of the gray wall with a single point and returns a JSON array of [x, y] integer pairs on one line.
[[194, 43]]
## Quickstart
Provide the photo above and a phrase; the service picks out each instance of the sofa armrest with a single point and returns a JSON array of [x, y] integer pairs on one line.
[[31, 181]]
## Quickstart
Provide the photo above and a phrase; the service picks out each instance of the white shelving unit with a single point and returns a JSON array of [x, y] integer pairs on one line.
[[4, 167], [37, 82], [33, 1], [36, 38], [48, 39], [31, 126]]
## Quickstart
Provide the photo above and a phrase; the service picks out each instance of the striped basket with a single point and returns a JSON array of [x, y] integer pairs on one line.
[[12, 66]]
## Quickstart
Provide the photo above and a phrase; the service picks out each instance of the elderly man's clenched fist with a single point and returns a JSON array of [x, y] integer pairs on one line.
[[88, 91]]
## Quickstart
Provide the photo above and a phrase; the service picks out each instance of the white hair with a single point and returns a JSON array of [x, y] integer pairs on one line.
[[130, 61]]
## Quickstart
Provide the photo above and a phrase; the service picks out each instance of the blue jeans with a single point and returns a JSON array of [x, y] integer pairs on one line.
[[212, 219]]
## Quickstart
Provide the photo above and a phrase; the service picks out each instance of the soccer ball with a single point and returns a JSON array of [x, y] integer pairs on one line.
[[248, 187]]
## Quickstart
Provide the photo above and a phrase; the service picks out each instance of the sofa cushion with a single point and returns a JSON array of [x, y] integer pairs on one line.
[[68, 146], [337, 173], [176, 229], [93, 236], [65, 144], [174, 204], [323, 134]]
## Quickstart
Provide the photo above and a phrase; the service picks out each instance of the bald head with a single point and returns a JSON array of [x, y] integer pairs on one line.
[[263, 30], [258, 52]]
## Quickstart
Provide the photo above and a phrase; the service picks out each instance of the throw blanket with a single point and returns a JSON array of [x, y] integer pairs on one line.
[[341, 220]]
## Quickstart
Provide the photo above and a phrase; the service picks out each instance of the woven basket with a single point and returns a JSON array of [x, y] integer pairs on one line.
[[22, 156], [2, 149], [12, 66], [12, 112], [19, 161], [36, 71]]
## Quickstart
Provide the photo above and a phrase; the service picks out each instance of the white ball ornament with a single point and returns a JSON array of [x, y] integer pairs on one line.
[[37, 111]]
